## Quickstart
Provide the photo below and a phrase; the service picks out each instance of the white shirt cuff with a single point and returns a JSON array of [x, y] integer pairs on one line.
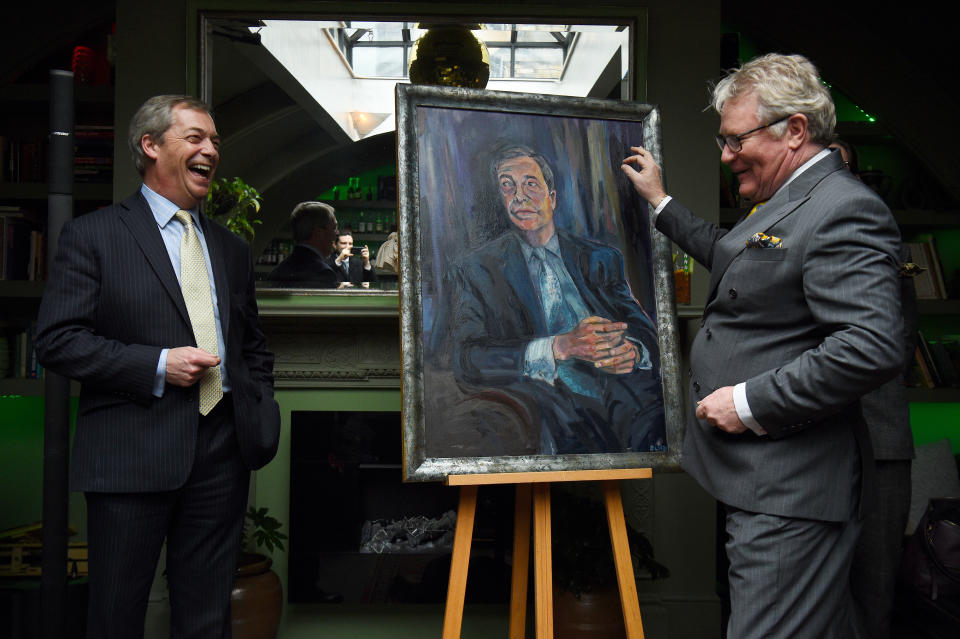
[[661, 206], [538, 361], [743, 409], [160, 379]]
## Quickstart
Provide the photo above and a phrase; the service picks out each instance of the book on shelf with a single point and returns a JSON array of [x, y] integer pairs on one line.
[[25, 160], [23, 362], [926, 283], [920, 374], [22, 246], [924, 347], [934, 256]]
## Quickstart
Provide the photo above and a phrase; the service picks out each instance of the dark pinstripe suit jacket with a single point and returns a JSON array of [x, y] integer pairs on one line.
[[111, 304]]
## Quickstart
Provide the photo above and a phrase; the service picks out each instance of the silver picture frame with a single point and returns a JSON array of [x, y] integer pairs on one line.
[[451, 214]]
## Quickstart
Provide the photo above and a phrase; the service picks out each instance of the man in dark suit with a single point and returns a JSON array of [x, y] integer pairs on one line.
[[876, 559], [548, 319], [314, 229], [352, 266], [802, 318], [151, 306]]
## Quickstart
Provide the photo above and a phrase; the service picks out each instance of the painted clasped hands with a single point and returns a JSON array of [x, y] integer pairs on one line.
[[600, 342]]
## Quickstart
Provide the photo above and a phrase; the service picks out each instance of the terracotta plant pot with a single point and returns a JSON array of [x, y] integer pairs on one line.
[[594, 615], [256, 602]]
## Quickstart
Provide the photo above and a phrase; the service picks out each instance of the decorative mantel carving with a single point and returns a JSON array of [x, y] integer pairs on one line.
[[323, 341]]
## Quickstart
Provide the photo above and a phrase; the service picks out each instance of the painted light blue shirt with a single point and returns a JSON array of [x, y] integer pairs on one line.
[[171, 231]]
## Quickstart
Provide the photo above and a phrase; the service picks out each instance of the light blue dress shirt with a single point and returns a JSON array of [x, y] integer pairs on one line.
[[171, 231]]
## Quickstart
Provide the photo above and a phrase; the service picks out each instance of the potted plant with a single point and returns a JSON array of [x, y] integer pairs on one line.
[[235, 204], [257, 598], [586, 598]]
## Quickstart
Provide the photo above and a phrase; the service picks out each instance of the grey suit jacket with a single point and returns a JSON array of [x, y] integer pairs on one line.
[[810, 327], [111, 304], [887, 409]]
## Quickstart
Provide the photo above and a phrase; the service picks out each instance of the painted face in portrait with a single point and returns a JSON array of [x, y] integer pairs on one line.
[[527, 198]]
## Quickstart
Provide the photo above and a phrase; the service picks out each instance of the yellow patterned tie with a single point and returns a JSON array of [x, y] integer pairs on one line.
[[195, 284], [755, 207]]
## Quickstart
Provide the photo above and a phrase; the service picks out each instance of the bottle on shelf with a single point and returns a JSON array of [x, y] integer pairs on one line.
[[362, 224], [353, 190]]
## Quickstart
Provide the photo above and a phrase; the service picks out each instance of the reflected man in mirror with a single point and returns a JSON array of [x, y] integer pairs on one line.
[[352, 264], [545, 321], [314, 227]]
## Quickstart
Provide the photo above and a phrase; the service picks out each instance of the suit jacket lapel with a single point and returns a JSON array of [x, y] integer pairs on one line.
[[780, 205], [573, 259], [138, 218]]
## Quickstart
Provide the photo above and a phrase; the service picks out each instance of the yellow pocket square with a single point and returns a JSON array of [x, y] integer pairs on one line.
[[762, 240]]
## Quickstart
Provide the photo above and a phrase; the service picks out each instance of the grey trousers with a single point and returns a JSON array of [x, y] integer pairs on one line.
[[789, 578]]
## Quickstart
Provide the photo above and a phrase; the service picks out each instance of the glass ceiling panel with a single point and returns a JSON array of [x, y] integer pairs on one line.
[[517, 51]]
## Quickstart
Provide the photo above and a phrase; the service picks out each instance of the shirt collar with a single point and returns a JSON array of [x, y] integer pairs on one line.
[[552, 246], [163, 209], [806, 165]]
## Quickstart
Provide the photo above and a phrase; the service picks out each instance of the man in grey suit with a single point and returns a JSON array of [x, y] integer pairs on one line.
[[802, 318], [151, 306]]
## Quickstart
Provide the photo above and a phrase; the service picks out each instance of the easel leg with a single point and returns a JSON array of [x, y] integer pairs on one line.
[[521, 562], [623, 560], [462, 540], [543, 560]]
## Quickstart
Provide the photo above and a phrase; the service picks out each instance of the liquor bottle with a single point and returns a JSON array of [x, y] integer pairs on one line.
[[379, 227], [362, 224]]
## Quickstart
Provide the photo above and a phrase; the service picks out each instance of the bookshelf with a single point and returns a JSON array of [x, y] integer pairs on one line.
[[24, 194]]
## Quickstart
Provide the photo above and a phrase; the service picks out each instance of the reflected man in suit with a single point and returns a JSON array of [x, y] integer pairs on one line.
[[358, 270], [314, 227], [802, 317], [151, 306], [548, 319]]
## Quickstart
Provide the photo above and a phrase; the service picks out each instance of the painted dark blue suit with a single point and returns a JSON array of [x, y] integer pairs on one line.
[[497, 312]]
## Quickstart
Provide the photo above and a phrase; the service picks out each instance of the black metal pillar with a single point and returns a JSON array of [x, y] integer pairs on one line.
[[56, 422]]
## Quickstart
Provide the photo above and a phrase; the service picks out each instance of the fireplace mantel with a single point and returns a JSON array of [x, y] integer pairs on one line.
[[332, 339]]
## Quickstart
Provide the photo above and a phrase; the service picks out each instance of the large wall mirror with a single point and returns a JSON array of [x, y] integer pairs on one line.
[[306, 110]]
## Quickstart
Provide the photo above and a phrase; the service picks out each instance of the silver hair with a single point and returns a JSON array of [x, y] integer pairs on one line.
[[783, 85], [153, 118], [307, 215]]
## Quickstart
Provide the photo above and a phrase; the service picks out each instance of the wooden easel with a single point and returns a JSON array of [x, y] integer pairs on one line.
[[539, 485]]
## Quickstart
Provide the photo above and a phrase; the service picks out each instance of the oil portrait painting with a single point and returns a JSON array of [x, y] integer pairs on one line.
[[536, 311]]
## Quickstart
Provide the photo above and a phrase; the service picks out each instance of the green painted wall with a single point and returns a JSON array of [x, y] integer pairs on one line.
[[21, 464]]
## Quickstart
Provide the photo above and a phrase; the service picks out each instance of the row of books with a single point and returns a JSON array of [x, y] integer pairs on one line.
[[93, 153], [27, 160], [23, 247], [21, 360], [936, 363], [929, 283], [24, 160]]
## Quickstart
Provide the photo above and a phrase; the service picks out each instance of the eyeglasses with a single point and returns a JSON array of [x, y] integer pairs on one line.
[[735, 142]]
